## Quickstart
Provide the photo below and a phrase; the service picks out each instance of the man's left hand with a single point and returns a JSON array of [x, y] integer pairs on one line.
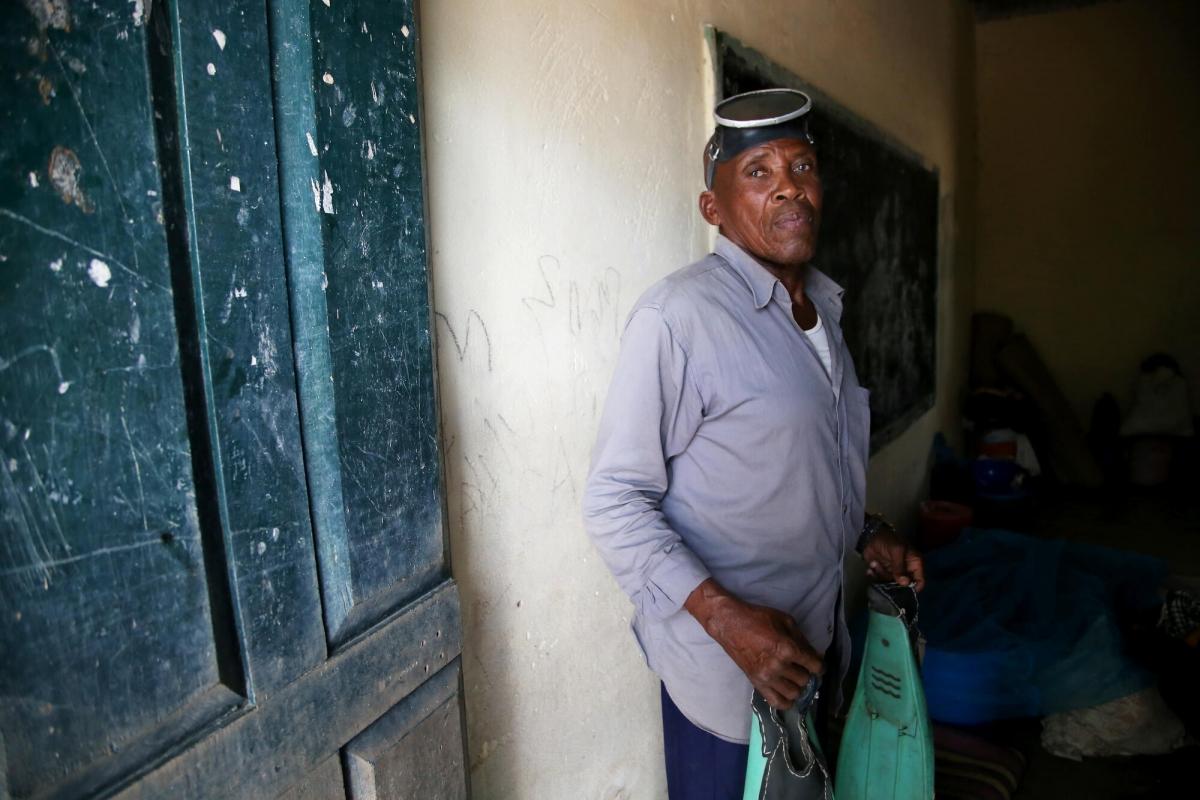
[[890, 558]]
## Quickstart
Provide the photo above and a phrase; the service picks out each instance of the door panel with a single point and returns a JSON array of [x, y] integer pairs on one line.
[[106, 578], [261, 753], [323, 783], [221, 196], [416, 749], [359, 270], [222, 554]]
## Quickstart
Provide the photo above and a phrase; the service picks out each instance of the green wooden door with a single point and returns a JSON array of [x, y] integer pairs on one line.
[[223, 566]]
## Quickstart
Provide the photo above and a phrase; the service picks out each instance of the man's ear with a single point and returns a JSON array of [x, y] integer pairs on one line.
[[708, 208]]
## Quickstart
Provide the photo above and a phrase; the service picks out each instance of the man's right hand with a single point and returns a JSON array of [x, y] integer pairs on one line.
[[765, 643]]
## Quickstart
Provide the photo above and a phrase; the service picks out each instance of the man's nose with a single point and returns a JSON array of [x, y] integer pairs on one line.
[[790, 187]]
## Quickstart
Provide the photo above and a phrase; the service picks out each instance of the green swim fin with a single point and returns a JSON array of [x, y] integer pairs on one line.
[[887, 744]]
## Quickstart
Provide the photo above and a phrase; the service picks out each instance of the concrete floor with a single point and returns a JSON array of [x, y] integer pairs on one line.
[[1164, 524], [1176, 775]]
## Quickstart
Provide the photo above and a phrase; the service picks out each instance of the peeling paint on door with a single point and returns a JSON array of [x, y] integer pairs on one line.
[[64, 169], [50, 13]]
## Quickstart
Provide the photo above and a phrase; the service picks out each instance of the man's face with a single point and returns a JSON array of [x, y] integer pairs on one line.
[[767, 200]]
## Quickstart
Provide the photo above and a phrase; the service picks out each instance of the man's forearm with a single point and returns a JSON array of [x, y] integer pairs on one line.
[[709, 603]]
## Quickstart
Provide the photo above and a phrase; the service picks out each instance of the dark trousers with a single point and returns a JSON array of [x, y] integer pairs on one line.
[[699, 765]]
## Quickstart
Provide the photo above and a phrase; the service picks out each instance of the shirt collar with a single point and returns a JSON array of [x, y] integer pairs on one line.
[[761, 282]]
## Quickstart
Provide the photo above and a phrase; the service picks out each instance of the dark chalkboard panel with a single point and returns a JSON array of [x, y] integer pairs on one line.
[[878, 240]]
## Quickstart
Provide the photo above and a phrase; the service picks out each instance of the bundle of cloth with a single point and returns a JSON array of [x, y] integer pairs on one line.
[[1018, 626]]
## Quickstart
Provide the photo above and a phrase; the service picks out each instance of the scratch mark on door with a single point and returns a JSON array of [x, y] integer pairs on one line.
[[86, 248], [137, 470]]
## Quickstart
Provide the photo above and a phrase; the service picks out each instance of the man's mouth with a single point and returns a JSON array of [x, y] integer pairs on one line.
[[794, 220]]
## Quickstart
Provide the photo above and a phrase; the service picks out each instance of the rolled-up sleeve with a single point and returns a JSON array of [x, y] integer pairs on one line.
[[652, 412]]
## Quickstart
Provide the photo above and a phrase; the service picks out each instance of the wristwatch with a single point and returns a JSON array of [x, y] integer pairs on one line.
[[872, 524]]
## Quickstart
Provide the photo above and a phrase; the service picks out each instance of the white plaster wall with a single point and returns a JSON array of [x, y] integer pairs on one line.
[[563, 147], [1058, 277]]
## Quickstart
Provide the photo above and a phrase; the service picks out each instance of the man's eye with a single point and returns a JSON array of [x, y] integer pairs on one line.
[[757, 172], [803, 166]]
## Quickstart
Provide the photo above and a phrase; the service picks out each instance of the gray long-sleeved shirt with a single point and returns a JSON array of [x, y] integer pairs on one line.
[[727, 450]]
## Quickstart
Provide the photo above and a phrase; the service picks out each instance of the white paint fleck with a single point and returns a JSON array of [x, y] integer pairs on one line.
[[327, 195], [141, 13], [63, 387], [370, 150], [324, 281], [12, 465], [261, 547], [99, 272], [141, 361], [240, 292], [274, 534], [316, 190], [374, 95], [312, 145], [404, 30], [328, 78], [254, 361], [211, 69], [135, 329], [33, 181], [412, 119], [151, 193], [235, 183], [364, 28], [56, 264], [219, 35], [28, 433], [377, 284], [326, 2]]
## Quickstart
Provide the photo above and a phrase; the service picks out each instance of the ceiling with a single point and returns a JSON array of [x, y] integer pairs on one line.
[[1000, 9]]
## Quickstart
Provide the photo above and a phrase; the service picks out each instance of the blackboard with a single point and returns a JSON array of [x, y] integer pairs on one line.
[[879, 236]]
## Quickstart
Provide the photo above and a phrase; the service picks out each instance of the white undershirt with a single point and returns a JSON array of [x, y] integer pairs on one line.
[[820, 341]]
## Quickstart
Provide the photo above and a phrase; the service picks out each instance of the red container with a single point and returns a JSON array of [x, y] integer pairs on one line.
[[942, 522]]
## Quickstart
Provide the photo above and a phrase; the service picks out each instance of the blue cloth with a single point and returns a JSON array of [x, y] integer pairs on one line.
[[699, 765], [726, 450], [1020, 626]]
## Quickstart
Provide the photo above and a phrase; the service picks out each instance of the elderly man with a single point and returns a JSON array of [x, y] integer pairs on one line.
[[729, 473]]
